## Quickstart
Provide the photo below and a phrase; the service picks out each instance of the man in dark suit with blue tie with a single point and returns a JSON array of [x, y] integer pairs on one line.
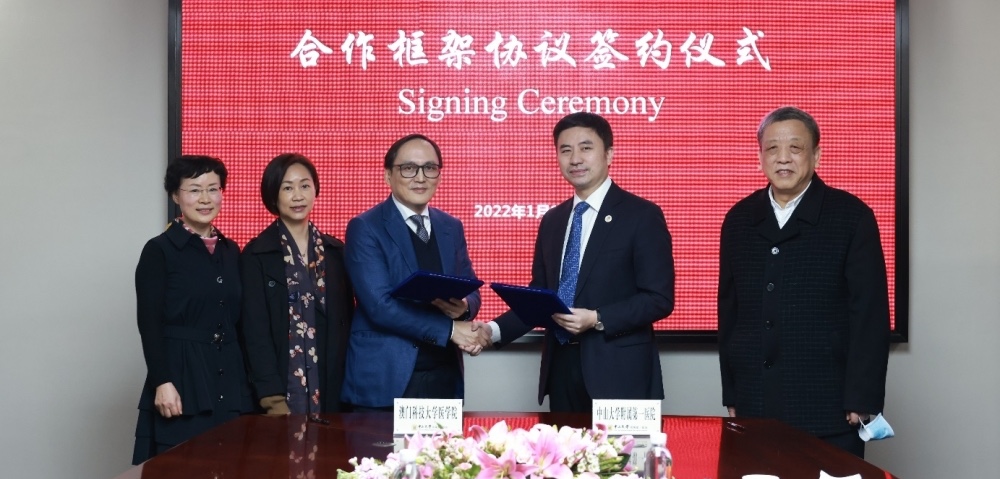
[[803, 295], [398, 348], [608, 254]]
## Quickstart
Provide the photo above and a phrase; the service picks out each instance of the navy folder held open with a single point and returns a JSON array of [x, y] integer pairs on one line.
[[425, 287], [533, 306]]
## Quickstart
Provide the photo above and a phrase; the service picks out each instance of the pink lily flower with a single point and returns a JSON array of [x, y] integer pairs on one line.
[[477, 433], [505, 466], [497, 440], [548, 453]]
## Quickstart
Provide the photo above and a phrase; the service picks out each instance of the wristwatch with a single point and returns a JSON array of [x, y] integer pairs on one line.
[[599, 325]]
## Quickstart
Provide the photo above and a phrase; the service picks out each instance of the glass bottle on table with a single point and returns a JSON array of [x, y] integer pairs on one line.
[[659, 462]]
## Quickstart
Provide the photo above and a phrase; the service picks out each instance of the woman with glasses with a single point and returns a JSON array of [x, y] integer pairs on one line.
[[298, 301], [188, 295]]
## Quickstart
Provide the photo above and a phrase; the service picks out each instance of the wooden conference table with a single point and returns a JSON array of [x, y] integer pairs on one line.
[[261, 447]]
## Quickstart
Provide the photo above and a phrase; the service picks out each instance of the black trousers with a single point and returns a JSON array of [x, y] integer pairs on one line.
[[567, 391], [435, 383]]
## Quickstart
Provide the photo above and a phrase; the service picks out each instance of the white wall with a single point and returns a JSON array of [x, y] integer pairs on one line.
[[83, 146], [944, 386]]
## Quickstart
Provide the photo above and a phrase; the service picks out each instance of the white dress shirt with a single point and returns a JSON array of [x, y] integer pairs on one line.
[[782, 214]]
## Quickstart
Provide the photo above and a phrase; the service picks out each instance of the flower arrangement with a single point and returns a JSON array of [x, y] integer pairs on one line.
[[542, 452]]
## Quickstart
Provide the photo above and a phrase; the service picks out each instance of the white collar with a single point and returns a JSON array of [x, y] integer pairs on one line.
[[596, 199], [405, 211], [791, 204]]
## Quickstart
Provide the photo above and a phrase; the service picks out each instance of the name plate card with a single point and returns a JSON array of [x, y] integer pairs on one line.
[[628, 416], [426, 416]]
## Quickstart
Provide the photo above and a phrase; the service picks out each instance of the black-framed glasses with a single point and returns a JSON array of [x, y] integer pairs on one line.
[[409, 170]]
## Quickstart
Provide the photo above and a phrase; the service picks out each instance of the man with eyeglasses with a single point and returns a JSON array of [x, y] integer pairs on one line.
[[608, 254], [398, 348]]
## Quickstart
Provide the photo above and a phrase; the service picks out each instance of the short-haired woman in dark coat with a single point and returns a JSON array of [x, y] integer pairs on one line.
[[187, 289], [297, 300]]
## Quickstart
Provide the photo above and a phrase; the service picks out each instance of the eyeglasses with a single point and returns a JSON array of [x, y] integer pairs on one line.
[[213, 192], [409, 170]]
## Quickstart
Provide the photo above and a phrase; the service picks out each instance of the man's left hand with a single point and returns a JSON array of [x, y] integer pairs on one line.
[[578, 321]]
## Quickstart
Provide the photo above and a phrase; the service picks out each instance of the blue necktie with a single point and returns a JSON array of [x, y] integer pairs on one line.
[[571, 265]]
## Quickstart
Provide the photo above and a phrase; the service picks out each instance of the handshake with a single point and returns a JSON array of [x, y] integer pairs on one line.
[[472, 336]]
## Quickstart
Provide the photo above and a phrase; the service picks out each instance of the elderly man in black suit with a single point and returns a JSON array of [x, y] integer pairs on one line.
[[608, 254], [803, 296]]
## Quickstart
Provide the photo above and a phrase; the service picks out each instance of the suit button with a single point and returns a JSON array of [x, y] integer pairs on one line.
[[768, 363], [770, 286], [270, 284], [218, 280], [768, 324], [220, 397], [220, 372], [222, 303], [775, 250]]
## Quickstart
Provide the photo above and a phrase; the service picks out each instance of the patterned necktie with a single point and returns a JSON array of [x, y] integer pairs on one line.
[[571, 265], [421, 231]]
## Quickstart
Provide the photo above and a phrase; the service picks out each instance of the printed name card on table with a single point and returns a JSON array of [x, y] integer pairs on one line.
[[426, 416], [625, 416]]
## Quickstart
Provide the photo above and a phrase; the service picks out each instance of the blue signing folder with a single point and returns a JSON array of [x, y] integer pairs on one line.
[[425, 287], [533, 306]]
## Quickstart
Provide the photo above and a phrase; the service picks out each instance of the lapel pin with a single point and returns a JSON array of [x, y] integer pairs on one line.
[[607, 219]]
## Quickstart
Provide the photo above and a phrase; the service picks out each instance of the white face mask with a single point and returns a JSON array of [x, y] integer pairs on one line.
[[877, 428]]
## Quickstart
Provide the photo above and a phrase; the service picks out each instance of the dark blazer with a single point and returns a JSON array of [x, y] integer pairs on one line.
[[187, 313], [627, 272], [385, 332], [265, 317], [803, 310]]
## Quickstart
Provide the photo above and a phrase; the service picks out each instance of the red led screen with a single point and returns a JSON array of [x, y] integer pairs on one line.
[[683, 84]]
